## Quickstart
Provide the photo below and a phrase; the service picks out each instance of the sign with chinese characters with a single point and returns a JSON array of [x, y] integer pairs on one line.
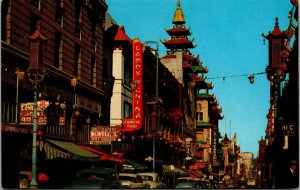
[[104, 134], [87, 104], [288, 129], [136, 121], [26, 113]]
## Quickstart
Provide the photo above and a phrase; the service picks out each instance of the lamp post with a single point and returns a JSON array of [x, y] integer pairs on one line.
[[147, 43], [20, 76], [36, 73]]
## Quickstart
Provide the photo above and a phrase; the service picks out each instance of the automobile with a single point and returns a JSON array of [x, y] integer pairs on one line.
[[229, 185], [96, 177], [152, 180], [188, 183], [131, 180]]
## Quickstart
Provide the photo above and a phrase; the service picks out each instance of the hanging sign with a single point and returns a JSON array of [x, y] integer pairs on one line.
[[104, 134], [26, 114], [136, 121]]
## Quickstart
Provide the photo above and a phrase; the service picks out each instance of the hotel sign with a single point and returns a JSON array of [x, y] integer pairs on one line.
[[135, 123], [104, 134]]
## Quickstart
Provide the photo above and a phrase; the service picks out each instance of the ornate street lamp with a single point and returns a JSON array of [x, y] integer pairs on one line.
[[20, 76], [36, 73]]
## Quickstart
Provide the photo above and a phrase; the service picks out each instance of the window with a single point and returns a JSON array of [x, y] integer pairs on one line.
[[93, 70], [78, 17], [4, 20], [127, 74], [77, 61], [127, 110], [59, 12], [33, 22], [199, 116], [36, 4], [58, 50]]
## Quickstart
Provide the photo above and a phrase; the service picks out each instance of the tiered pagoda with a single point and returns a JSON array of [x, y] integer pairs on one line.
[[190, 73]]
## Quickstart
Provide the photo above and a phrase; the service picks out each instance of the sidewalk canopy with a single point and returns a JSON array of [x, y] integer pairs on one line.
[[177, 170], [104, 156], [67, 150], [131, 165]]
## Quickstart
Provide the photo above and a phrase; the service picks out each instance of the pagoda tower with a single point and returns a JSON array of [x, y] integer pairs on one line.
[[180, 62]]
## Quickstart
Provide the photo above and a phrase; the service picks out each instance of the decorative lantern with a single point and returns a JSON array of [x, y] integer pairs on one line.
[[251, 79], [20, 75], [74, 82]]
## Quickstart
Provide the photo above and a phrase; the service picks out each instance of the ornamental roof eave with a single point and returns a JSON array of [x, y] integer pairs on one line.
[[178, 31], [121, 35], [178, 43]]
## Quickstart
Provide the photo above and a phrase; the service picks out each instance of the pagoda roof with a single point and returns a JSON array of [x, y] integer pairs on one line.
[[178, 43], [168, 56], [185, 64], [276, 31], [200, 69], [204, 95], [121, 35], [179, 31], [196, 78], [189, 57]]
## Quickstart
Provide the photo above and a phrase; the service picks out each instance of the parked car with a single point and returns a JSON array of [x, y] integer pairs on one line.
[[131, 180], [98, 177], [152, 181], [251, 182], [188, 183]]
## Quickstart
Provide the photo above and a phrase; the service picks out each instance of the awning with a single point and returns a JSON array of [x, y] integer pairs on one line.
[[132, 165], [167, 170], [67, 150], [104, 156], [196, 173]]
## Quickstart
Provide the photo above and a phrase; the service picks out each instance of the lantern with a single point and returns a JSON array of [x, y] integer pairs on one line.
[[251, 79]]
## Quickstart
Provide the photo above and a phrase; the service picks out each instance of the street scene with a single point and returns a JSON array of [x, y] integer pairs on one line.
[[152, 94]]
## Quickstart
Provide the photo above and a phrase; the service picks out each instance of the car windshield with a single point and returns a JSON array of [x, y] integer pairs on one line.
[[147, 178], [126, 178], [98, 176], [184, 180]]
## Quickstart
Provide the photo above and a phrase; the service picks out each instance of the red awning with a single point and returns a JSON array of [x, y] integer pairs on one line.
[[104, 156], [195, 174]]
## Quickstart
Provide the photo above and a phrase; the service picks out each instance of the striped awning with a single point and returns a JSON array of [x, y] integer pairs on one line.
[[104, 156], [67, 150], [167, 170]]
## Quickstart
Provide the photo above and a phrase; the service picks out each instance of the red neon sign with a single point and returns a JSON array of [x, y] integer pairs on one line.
[[135, 123]]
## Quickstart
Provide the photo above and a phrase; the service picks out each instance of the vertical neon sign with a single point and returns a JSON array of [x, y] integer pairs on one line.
[[135, 123]]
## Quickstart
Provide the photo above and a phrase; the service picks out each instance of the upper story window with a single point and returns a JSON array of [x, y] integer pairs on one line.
[[77, 61], [93, 70], [59, 12], [58, 49], [36, 4], [199, 116], [4, 20], [127, 110], [127, 74], [78, 18]]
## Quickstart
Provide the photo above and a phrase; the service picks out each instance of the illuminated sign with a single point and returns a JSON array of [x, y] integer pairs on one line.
[[104, 134], [135, 123], [26, 113]]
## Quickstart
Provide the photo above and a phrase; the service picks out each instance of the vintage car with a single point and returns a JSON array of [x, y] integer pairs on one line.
[[131, 180], [96, 177], [188, 183], [152, 181]]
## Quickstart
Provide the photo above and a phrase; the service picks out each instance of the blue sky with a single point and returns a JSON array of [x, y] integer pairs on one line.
[[229, 42]]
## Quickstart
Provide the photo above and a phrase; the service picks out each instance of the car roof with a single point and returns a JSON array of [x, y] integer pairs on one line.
[[96, 170], [128, 174]]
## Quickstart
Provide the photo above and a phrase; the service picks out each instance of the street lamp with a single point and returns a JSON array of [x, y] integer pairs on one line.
[[36, 73], [147, 43], [20, 76]]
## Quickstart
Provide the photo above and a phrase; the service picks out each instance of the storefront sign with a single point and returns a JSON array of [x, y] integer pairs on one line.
[[88, 104], [26, 113], [104, 134], [288, 129], [136, 121]]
